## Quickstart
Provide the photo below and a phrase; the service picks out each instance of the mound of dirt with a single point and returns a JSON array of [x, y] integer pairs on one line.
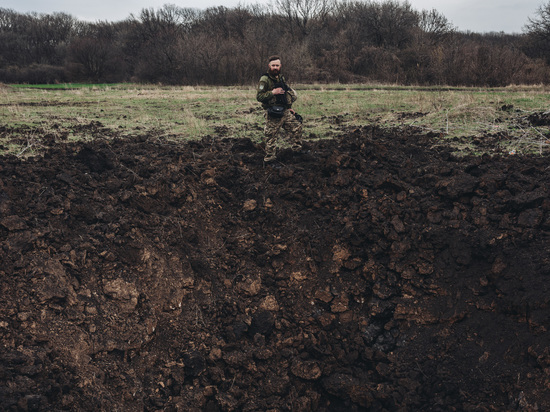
[[539, 119], [374, 272]]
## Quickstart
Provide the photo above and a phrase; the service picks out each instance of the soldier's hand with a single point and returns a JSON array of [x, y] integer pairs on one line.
[[278, 90]]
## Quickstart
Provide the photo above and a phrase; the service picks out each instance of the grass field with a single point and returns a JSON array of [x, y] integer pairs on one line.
[[84, 112]]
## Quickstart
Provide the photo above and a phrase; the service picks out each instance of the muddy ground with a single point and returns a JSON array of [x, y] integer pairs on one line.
[[376, 272]]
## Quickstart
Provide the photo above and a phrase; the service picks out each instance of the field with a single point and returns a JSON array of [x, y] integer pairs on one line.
[[151, 261], [472, 120]]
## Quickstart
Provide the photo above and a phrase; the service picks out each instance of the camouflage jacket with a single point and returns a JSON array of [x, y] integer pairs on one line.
[[267, 98]]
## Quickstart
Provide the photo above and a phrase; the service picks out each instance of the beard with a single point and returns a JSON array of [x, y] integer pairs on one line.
[[274, 72]]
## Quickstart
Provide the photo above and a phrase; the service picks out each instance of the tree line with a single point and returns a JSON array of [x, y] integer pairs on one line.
[[320, 41]]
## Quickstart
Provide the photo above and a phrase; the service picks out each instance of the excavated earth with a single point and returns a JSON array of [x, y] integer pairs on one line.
[[375, 272]]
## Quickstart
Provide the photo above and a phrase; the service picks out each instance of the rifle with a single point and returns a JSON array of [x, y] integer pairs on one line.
[[281, 98]]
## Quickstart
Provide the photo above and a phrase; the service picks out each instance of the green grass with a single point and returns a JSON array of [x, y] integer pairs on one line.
[[73, 112]]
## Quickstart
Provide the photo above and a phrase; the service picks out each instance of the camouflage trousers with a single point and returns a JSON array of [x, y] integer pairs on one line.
[[291, 126]]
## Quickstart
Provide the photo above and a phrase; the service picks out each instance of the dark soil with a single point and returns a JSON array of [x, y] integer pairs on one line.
[[376, 272]]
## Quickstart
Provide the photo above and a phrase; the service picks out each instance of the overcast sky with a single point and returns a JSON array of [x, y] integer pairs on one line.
[[509, 16]]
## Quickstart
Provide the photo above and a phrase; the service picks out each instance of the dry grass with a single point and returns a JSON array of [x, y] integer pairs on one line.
[[180, 113]]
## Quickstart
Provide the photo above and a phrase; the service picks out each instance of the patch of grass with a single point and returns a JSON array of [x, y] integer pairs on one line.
[[84, 112], [63, 86]]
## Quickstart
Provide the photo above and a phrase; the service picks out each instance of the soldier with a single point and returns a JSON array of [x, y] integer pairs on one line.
[[277, 98]]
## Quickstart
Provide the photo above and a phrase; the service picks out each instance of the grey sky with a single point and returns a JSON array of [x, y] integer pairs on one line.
[[509, 16]]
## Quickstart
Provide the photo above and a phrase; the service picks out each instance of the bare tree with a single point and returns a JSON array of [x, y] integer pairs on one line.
[[537, 42], [434, 26], [154, 42], [321, 40], [32, 38], [96, 53], [302, 15]]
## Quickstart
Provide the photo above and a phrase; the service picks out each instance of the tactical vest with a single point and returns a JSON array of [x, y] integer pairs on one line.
[[281, 99]]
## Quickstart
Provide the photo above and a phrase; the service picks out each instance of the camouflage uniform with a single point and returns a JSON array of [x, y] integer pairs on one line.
[[291, 126]]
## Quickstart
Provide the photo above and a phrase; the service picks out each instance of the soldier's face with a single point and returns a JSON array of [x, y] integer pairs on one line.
[[274, 67]]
